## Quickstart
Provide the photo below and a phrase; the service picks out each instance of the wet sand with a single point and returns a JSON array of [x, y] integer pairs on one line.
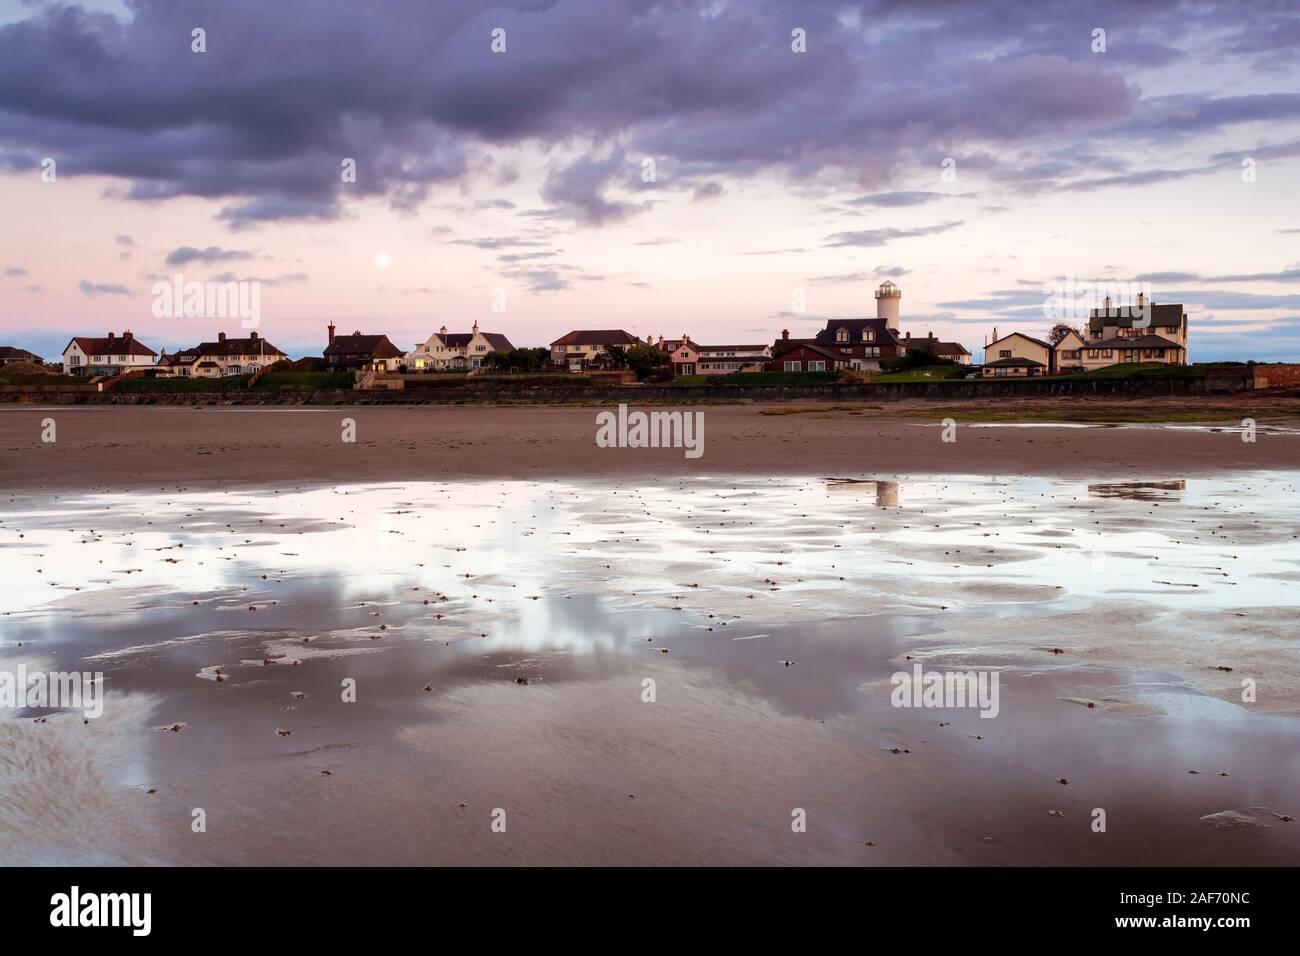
[[120, 447], [500, 635]]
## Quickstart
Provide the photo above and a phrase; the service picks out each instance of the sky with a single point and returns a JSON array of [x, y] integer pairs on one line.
[[719, 169]]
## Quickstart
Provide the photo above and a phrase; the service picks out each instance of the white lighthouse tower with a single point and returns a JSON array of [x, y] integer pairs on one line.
[[887, 298]]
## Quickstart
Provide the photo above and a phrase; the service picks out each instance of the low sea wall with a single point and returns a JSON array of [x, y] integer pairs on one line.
[[1227, 381]]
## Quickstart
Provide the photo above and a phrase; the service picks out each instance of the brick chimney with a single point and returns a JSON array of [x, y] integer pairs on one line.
[[221, 336], [474, 328], [253, 336], [785, 335], [112, 336], [331, 330], [128, 335], [1142, 299]]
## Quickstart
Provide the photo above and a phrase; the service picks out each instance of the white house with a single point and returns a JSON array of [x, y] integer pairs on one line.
[[107, 356], [456, 350]]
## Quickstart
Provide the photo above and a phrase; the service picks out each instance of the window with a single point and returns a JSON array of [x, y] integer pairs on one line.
[[816, 366], [1000, 372], [847, 351], [842, 335], [868, 335], [1160, 353], [792, 366], [1004, 353], [76, 360]]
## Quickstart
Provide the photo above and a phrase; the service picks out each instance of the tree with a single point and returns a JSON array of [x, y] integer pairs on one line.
[[644, 359], [1060, 330]]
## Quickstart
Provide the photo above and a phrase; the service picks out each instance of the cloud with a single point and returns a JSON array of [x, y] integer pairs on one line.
[[880, 237], [124, 240], [498, 242], [417, 98], [14, 271], [892, 200], [92, 289], [184, 255]]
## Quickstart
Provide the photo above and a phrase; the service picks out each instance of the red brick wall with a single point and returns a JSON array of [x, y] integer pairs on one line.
[[1277, 376]]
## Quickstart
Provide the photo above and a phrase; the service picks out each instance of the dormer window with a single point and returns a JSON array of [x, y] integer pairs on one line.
[[868, 335], [842, 335]]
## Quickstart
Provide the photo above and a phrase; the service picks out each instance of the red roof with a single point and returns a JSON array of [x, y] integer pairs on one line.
[[118, 345]]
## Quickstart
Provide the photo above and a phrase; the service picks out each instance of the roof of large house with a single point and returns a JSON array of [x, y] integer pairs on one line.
[[1125, 316], [791, 345], [9, 352], [937, 347], [1137, 342], [1015, 361], [358, 344], [126, 344], [729, 348], [460, 340], [253, 345], [855, 326], [597, 337], [1011, 335]]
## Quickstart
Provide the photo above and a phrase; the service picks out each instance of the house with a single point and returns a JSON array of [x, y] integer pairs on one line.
[[684, 356], [456, 350], [861, 343], [362, 351], [952, 351], [1069, 353], [111, 355], [726, 359], [1018, 355], [225, 356], [802, 356], [10, 356], [1147, 333], [589, 348]]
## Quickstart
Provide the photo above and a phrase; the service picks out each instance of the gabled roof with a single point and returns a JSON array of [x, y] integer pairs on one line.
[[1022, 335], [376, 346], [9, 352], [812, 347], [460, 340], [597, 337], [880, 327], [937, 347], [118, 345], [250, 347], [1124, 317]]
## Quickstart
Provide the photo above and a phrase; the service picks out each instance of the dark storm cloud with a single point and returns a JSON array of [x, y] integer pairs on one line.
[[413, 93]]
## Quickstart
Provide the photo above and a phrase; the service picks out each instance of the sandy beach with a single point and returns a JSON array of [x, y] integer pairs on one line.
[[1122, 582], [127, 447]]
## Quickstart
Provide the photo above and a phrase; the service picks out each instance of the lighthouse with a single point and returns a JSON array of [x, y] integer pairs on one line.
[[887, 298]]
